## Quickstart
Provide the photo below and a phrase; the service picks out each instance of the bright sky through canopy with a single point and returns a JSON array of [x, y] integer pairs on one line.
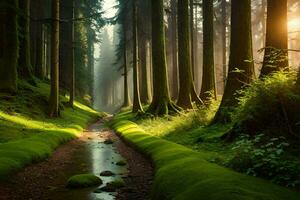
[[108, 8], [294, 24]]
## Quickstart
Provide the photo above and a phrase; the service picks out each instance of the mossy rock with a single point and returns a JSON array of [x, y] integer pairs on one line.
[[84, 181], [107, 173], [121, 163], [113, 186], [108, 141]]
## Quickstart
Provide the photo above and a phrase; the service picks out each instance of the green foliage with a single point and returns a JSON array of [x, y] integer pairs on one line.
[[27, 135], [264, 157], [269, 105], [178, 167], [83, 181]]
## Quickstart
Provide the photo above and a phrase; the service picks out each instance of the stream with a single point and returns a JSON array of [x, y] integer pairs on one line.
[[47, 180], [94, 156]]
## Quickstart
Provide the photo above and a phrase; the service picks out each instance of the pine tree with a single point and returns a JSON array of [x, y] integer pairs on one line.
[[8, 46], [241, 66], [25, 67], [276, 55], [161, 103], [54, 94], [137, 106], [187, 92], [208, 79]]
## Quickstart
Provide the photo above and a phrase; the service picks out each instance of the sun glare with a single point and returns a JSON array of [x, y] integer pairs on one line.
[[294, 24]]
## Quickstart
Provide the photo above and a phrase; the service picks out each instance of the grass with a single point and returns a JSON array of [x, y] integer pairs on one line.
[[189, 130], [83, 181], [182, 173], [27, 135]]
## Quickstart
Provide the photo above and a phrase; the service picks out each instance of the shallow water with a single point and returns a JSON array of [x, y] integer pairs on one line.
[[92, 156]]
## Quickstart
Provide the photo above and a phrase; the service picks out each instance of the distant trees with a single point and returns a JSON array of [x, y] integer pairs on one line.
[[187, 92], [161, 103], [241, 66], [8, 46], [54, 94], [276, 55], [208, 78]]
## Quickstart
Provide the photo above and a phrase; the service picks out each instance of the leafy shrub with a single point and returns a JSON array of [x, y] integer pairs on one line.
[[264, 157], [269, 104]]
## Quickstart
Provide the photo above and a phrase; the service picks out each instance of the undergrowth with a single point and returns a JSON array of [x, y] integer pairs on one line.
[[271, 106]]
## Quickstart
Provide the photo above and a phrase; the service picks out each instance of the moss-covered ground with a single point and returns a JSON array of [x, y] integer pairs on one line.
[[27, 135], [194, 167]]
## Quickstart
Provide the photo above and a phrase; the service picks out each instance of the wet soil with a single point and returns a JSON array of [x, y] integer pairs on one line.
[[88, 154]]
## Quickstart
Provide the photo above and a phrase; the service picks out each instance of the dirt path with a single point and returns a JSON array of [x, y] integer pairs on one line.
[[46, 180]]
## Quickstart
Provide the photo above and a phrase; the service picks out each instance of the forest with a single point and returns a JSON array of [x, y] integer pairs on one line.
[[149, 99]]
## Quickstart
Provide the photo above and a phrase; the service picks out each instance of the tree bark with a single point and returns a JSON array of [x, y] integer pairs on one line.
[[39, 67], [127, 101], [187, 92], [224, 41], [8, 46], [208, 79], [276, 55], [192, 39], [91, 50], [54, 94], [71, 56], [137, 106], [241, 66], [161, 103], [175, 86], [25, 67]]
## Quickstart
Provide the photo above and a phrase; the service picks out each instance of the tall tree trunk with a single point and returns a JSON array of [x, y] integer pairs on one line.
[[39, 67], [137, 106], [276, 55], [25, 68], [224, 41], [192, 39], [208, 79], [127, 101], [71, 56], [54, 94], [8, 46], [241, 66], [145, 82], [91, 60], [187, 92], [161, 103], [175, 86]]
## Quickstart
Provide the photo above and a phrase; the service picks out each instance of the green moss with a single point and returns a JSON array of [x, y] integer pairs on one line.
[[119, 183], [27, 135], [121, 163], [182, 173], [83, 181]]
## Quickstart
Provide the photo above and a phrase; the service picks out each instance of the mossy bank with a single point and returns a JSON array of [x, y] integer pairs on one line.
[[27, 135]]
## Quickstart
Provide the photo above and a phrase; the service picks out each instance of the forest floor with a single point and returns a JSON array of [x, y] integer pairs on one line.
[[88, 154], [38, 154], [207, 161]]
